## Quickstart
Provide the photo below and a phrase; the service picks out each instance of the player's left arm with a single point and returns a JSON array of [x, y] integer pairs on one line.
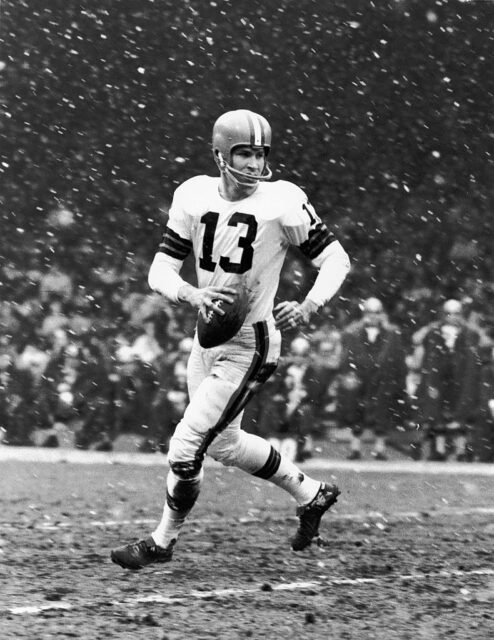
[[328, 256], [334, 265], [333, 269]]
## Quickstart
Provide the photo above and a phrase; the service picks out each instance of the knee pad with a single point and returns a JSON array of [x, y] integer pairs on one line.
[[183, 485], [186, 470]]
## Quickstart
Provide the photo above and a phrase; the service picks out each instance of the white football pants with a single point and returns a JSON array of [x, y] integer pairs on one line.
[[221, 380]]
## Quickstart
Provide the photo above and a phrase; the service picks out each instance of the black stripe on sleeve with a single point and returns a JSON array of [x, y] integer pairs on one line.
[[175, 246], [319, 238]]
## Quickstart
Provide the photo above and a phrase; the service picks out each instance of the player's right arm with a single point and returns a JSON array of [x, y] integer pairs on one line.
[[164, 277], [176, 244]]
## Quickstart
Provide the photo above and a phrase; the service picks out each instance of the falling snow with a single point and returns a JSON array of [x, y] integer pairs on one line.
[[381, 113]]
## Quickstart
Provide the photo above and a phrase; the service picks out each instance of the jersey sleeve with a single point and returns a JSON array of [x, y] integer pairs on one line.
[[176, 242], [302, 226]]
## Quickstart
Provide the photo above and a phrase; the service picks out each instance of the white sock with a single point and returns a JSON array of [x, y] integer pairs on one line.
[[299, 485], [182, 494], [256, 456]]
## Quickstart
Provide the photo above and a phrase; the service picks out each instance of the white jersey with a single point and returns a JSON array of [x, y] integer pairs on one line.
[[243, 241]]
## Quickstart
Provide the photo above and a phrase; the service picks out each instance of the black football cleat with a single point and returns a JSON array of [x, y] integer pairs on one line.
[[311, 514], [137, 555]]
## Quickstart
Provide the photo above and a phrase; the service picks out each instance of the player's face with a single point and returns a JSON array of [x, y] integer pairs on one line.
[[249, 160]]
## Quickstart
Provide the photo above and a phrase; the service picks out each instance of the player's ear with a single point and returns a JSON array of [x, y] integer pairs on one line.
[[218, 158]]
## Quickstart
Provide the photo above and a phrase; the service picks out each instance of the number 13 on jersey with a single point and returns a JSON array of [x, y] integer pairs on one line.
[[210, 220]]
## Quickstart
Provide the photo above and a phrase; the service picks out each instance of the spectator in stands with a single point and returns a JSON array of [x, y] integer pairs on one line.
[[299, 402], [92, 394], [56, 343], [172, 396], [55, 316], [321, 382], [146, 346], [34, 355], [133, 387], [76, 394], [282, 410], [483, 433], [24, 320], [55, 283], [372, 381], [447, 351], [35, 359], [17, 417], [81, 318]]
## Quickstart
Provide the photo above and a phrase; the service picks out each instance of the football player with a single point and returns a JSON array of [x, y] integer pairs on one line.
[[238, 226]]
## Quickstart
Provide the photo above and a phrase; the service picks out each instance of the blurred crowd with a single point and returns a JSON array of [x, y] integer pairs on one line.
[[381, 112], [429, 393]]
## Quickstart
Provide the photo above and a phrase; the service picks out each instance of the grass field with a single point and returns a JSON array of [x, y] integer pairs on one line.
[[408, 553]]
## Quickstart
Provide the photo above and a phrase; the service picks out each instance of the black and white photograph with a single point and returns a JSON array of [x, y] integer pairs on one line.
[[246, 319]]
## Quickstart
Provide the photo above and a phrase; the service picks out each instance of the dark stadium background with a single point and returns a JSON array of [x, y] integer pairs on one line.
[[382, 111]]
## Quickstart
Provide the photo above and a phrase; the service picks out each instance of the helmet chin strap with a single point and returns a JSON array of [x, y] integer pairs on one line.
[[237, 175]]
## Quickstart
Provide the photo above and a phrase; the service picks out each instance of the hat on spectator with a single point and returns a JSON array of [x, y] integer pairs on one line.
[[452, 306], [372, 305]]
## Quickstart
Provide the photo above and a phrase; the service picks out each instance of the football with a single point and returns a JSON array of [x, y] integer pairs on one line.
[[217, 329]]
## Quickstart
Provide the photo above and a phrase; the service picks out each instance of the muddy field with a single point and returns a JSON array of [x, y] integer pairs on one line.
[[406, 555]]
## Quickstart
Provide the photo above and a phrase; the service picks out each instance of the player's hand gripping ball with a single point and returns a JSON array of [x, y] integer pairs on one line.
[[217, 329]]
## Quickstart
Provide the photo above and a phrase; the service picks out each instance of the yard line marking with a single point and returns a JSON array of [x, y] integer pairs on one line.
[[240, 591], [297, 586], [77, 456], [364, 515], [202, 595], [35, 609]]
